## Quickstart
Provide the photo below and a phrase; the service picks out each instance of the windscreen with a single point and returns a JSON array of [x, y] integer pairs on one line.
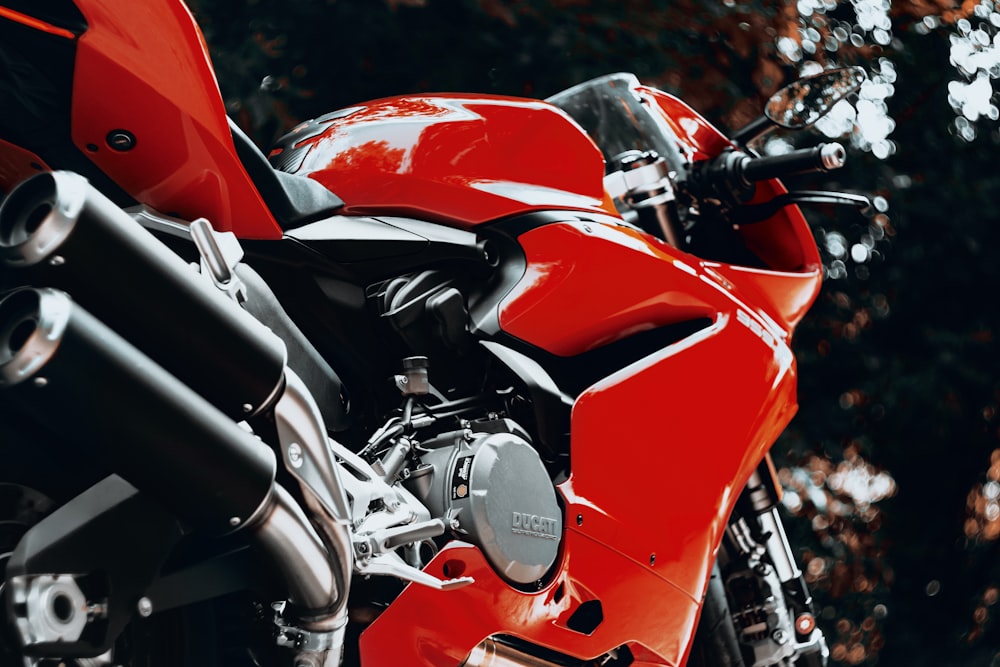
[[610, 110]]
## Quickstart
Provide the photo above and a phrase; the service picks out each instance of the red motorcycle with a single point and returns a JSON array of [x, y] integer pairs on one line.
[[444, 380]]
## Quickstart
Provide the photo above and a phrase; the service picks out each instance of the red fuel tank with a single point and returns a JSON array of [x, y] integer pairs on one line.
[[457, 159]]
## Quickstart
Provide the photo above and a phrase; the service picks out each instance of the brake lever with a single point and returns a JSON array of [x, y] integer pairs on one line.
[[749, 214]]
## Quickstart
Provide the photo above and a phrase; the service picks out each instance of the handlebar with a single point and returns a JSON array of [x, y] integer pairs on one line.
[[730, 177], [824, 157]]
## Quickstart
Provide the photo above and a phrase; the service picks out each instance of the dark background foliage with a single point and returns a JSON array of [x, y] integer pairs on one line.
[[893, 464]]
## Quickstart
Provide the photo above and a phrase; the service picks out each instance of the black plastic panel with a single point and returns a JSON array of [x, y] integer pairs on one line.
[[293, 200], [115, 541]]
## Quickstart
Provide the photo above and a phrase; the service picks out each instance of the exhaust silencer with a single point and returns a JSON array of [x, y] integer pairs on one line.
[[66, 369], [59, 231]]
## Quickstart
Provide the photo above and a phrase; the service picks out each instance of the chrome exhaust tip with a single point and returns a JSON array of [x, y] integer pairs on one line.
[[32, 322], [39, 215]]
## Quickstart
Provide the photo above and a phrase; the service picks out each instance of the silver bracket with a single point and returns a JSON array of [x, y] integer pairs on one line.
[[220, 253], [392, 565], [387, 539], [641, 186], [305, 447]]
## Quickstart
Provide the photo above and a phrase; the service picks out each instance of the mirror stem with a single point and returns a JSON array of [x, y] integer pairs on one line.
[[755, 128]]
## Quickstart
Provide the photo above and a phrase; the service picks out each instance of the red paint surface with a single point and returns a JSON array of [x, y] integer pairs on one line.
[[590, 284], [143, 67], [17, 164], [692, 129], [784, 242], [660, 451], [636, 602], [649, 525], [457, 159]]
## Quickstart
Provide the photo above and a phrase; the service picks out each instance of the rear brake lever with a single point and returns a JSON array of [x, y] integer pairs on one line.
[[749, 214]]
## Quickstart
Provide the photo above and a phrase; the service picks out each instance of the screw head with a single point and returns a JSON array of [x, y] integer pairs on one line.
[[295, 455], [121, 140], [145, 607], [579, 519]]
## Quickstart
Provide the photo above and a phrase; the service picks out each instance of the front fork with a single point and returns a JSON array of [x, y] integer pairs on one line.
[[768, 598]]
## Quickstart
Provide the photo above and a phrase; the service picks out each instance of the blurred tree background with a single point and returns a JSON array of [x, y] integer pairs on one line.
[[893, 464]]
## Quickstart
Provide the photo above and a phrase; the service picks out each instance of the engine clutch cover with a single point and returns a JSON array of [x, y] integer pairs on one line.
[[504, 500]]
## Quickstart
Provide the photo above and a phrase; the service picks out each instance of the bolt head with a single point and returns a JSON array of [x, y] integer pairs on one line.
[[295, 455], [121, 140], [145, 607]]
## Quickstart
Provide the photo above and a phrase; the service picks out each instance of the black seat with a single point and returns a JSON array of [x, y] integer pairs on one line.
[[293, 200]]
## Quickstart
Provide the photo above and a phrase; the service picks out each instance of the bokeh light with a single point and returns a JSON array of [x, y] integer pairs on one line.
[[840, 500]]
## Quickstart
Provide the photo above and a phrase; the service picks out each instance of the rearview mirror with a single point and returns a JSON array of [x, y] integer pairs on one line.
[[801, 103]]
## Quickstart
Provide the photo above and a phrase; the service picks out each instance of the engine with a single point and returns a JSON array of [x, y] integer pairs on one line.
[[489, 478], [429, 475]]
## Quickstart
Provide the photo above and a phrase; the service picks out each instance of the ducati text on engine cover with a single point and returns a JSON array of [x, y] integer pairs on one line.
[[535, 526]]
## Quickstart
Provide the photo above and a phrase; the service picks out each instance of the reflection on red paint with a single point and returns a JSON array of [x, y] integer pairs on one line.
[[456, 159]]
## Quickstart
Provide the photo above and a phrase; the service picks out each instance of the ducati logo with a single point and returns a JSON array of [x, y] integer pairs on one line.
[[534, 525]]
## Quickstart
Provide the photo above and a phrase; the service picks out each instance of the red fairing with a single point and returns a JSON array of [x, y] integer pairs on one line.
[[457, 159], [712, 404], [783, 242], [184, 161], [17, 164], [640, 609], [640, 529], [588, 284]]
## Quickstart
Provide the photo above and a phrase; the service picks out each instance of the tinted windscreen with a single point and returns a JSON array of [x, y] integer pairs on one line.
[[611, 112]]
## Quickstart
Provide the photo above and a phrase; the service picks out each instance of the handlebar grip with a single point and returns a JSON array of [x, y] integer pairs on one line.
[[824, 157]]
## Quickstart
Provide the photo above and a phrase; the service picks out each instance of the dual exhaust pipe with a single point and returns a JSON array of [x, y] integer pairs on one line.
[[150, 367]]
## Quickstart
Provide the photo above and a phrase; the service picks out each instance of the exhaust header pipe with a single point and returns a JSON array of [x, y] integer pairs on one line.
[[57, 230]]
